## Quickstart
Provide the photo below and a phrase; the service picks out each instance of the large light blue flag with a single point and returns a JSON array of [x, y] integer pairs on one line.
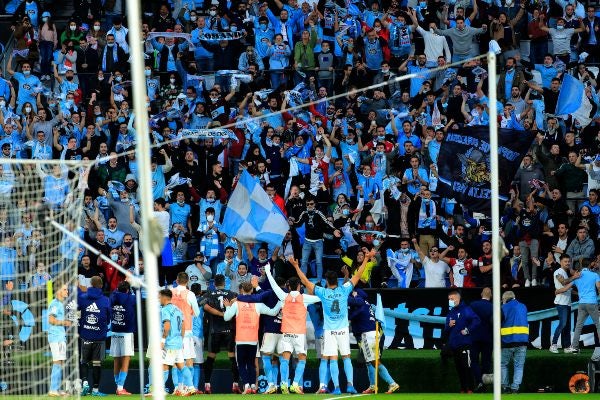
[[251, 216], [379, 316], [569, 97]]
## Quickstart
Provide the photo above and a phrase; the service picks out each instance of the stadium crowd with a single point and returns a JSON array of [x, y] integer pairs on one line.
[[351, 174]]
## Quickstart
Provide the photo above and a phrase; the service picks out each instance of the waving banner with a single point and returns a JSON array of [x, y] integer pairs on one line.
[[216, 133], [464, 164]]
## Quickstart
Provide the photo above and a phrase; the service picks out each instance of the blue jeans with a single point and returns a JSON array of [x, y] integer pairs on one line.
[[278, 78], [517, 355], [46, 50], [563, 317], [458, 58], [307, 249]]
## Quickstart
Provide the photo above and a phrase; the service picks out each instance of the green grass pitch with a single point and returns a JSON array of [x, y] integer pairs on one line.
[[402, 396]]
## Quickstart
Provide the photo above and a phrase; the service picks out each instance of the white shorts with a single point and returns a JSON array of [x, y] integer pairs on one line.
[[171, 357], [319, 342], [121, 344], [367, 345], [199, 349], [189, 352], [270, 343], [336, 340], [59, 351], [292, 343]]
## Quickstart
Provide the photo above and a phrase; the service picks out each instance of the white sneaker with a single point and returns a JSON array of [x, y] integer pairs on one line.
[[571, 350], [527, 283], [554, 349], [534, 282]]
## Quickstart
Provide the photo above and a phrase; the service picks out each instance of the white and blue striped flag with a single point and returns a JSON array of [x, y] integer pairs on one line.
[[251, 216]]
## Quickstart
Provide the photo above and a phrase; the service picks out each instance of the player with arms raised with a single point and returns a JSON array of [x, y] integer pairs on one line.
[[335, 313]]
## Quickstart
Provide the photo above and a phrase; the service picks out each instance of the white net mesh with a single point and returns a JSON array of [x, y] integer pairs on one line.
[[34, 257]]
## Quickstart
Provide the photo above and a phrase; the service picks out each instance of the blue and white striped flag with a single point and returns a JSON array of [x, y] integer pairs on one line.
[[251, 216]]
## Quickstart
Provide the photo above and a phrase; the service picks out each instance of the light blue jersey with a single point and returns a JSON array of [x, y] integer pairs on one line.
[[57, 333], [335, 305], [197, 324], [172, 314]]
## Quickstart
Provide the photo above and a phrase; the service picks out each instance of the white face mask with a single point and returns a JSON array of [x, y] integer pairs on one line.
[[210, 218], [212, 13], [118, 78], [27, 109], [172, 80], [114, 257], [193, 18], [72, 27], [45, 19], [96, 28], [148, 72]]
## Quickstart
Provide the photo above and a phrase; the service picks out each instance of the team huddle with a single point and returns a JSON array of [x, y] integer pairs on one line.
[[274, 309]]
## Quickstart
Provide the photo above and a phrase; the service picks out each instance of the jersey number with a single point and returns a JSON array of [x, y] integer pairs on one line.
[[335, 307]]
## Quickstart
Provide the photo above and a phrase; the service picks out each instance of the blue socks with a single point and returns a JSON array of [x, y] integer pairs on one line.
[[186, 376], [55, 377], [268, 367], [121, 378], [385, 375], [196, 377], [299, 371], [176, 376], [323, 379], [285, 370], [335, 373], [371, 373], [349, 371], [166, 375]]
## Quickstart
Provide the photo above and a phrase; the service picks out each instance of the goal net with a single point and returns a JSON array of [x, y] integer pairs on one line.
[[36, 260]]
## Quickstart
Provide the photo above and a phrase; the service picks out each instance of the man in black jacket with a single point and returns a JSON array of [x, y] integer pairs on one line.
[[315, 225]]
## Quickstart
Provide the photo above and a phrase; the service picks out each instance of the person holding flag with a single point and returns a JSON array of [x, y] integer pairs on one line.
[[365, 330], [293, 329], [335, 315]]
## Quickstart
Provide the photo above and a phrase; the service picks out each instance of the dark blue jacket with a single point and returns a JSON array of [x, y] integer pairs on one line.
[[515, 327], [465, 317], [122, 318], [95, 314], [484, 310], [361, 316]]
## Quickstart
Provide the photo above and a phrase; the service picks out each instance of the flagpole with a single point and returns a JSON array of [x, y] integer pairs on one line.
[[497, 245], [376, 355]]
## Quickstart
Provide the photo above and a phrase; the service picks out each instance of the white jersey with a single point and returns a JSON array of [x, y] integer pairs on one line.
[[435, 273], [563, 298]]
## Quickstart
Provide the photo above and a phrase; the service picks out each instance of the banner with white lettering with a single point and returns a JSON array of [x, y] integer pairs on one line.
[[464, 164], [215, 133]]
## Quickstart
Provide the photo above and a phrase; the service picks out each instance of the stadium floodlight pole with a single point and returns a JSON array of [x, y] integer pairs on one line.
[[497, 246], [138, 311], [152, 236]]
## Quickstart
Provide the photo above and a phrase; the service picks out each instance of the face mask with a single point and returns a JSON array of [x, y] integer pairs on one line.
[[214, 99], [70, 78], [118, 78], [114, 257], [426, 201], [385, 70], [45, 19], [100, 78], [112, 230], [96, 28], [560, 27], [431, 30], [263, 26], [404, 251], [212, 13], [125, 200], [376, 242], [451, 303], [193, 18], [346, 212], [148, 72], [72, 27], [27, 109], [423, 4], [26, 73], [181, 203], [379, 153], [233, 29], [369, 225], [262, 260], [210, 218], [377, 29], [110, 44]]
